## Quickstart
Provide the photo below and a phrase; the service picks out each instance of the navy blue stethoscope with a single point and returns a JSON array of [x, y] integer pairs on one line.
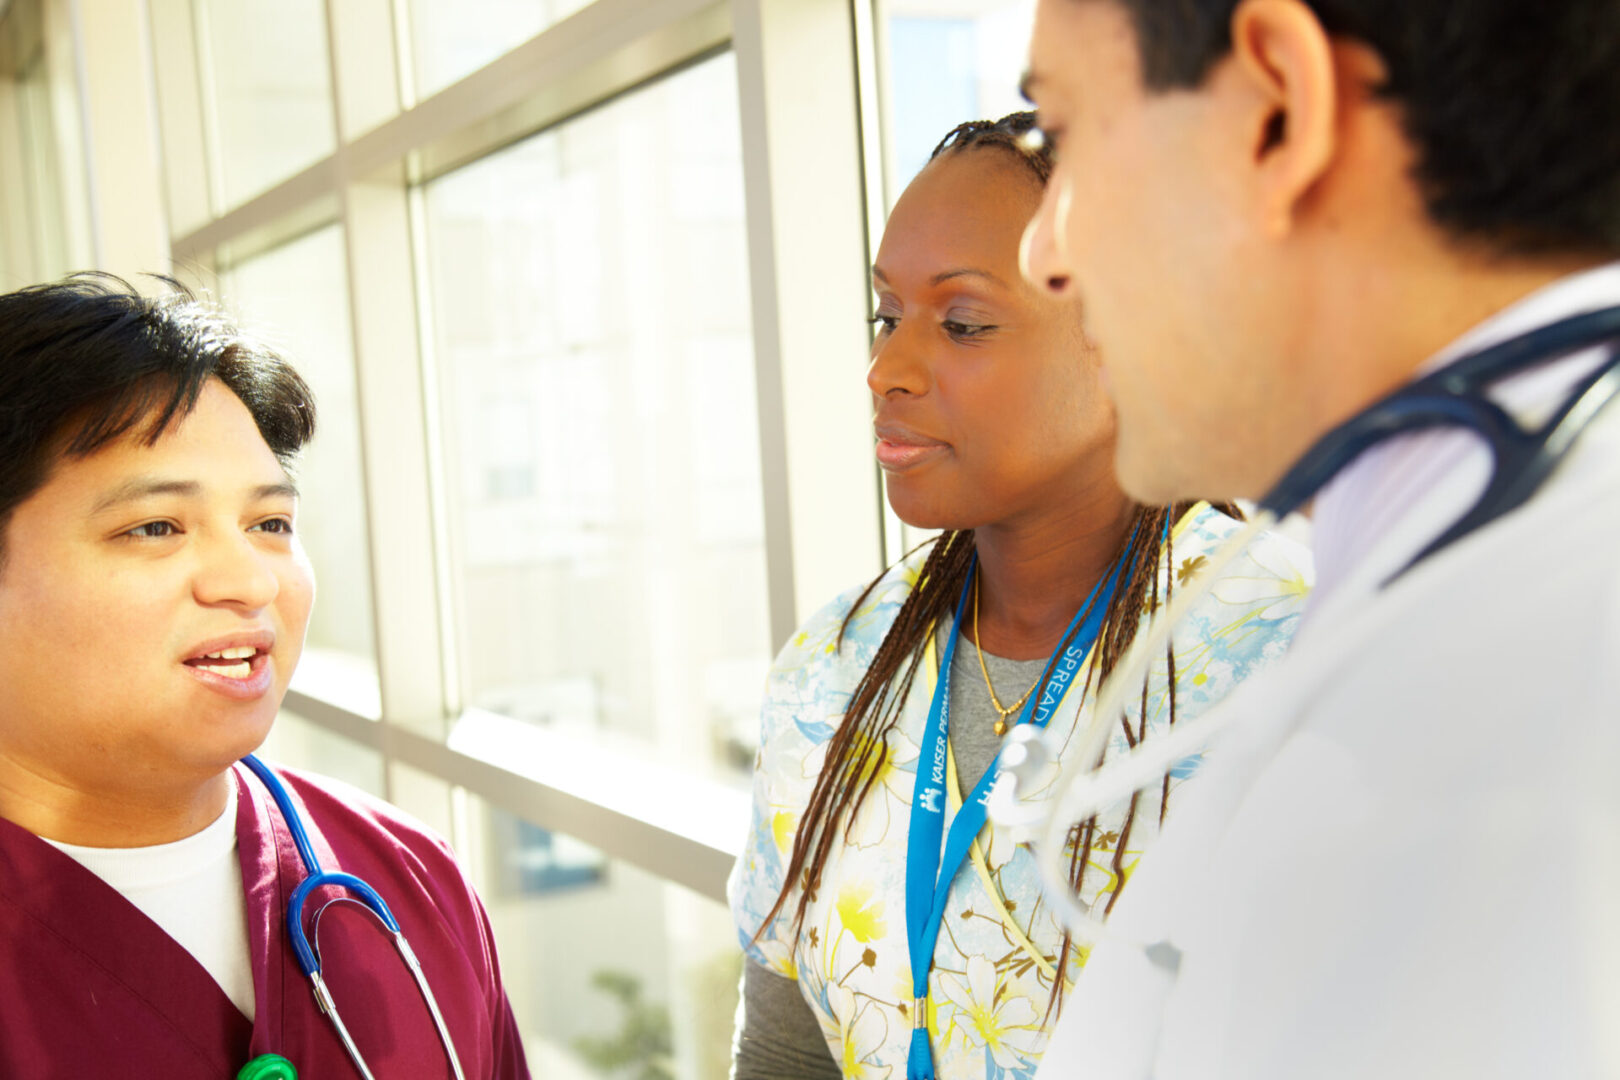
[[1455, 396], [308, 958]]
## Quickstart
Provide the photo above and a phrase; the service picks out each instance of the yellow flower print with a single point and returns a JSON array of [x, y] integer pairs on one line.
[[783, 826], [860, 913], [1265, 584], [891, 788], [1006, 1024], [862, 1033]]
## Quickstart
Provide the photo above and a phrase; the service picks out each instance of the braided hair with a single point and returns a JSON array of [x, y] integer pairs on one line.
[[859, 747]]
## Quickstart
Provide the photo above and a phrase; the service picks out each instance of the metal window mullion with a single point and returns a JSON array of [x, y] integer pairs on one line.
[[183, 142], [208, 100], [803, 178], [365, 78], [16, 258], [603, 50], [396, 454]]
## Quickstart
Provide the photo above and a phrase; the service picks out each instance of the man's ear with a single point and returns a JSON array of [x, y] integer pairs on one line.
[[1284, 62]]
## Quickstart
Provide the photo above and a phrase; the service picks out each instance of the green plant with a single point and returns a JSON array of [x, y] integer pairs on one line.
[[642, 1048]]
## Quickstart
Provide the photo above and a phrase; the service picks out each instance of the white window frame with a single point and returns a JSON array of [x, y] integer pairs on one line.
[[806, 74]]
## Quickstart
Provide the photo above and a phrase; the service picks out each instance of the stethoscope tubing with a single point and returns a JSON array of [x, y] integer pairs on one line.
[[1451, 397], [308, 959]]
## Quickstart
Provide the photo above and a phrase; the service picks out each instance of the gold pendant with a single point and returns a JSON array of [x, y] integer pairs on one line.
[[1001, 726]]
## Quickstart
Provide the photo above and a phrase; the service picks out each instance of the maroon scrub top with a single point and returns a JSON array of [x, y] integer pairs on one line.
[[90, 987]]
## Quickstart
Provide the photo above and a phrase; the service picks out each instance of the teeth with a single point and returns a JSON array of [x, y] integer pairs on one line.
[[241, 652], [235, 671]]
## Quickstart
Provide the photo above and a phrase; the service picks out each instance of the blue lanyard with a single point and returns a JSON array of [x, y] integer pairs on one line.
[[928, 882]]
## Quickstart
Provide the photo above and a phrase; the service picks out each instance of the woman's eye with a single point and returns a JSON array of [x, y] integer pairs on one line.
[[965, 330], [885, 323], [153, 530], [278, 525]]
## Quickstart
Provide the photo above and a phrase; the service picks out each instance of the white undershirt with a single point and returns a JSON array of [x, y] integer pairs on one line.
[[191, 888]]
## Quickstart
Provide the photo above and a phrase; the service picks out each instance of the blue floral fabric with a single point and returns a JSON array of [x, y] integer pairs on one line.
[[989, 989]]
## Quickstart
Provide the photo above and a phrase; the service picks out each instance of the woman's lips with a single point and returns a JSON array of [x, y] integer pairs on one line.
[[900, 450]]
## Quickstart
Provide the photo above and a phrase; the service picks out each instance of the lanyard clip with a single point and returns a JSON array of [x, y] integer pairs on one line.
[[919, 1013]]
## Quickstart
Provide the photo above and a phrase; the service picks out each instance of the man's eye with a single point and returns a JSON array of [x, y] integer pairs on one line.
[[153, 530], [278, 525]]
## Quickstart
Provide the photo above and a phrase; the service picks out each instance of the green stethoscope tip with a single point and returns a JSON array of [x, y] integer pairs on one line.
[[268, 1067]]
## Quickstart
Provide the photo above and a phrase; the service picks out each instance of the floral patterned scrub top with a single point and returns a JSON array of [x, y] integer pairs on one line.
[[997, 948]]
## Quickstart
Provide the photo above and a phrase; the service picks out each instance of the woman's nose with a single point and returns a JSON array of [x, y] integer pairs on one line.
[[896, 364]]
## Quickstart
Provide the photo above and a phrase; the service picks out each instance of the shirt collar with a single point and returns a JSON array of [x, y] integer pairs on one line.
[[1398, 495]]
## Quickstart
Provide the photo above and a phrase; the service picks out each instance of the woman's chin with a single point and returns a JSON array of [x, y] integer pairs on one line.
[[918, 511]]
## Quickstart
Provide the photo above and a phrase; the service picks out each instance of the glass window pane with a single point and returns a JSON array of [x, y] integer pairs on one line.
[[299, 744], [611, 972], [296, 298], [949, 61], [591, 310], [175, 67], [272, 90], [454, 38]]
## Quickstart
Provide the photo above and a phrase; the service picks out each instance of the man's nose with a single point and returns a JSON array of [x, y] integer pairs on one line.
[[231, 571], [1042, 255]]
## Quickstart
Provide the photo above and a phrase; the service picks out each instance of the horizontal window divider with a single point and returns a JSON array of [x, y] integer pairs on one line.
[[298, 205], [598, 53], [365, 730], [675, 824]]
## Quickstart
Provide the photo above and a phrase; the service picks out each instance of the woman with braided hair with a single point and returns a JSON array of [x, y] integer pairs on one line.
[[870, 952]]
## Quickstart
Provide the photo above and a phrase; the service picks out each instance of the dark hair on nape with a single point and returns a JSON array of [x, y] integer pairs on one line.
[[89, 360], [1513, 108], [859, 747], [1015, 133]]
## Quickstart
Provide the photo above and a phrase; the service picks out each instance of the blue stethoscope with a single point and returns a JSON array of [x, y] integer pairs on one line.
[[308, 959], [1455, 396], [1452, 397]]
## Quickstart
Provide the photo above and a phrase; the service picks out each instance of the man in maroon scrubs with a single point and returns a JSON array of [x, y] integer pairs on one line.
[[153, 601]]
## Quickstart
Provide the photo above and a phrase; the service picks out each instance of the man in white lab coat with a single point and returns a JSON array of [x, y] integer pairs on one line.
[[1404, 859]]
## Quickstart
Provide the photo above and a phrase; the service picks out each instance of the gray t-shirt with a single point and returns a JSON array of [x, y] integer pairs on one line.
[[780, 1037]]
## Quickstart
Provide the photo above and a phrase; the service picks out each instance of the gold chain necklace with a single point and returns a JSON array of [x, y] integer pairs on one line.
[[995, 702]]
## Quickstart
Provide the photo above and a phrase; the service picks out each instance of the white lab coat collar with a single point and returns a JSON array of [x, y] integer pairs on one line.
[[1379, 512]]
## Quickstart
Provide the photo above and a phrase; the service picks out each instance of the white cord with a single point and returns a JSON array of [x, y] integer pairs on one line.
[[1091, 789]]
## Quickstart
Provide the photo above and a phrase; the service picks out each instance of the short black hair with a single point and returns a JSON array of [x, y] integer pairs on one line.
[[1512, 107], [88, 360]]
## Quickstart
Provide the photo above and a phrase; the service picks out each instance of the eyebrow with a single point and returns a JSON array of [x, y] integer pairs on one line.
[[144, 487], [966, 271], [946, 275]]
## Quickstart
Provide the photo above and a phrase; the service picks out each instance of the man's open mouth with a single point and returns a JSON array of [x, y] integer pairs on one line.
[[235, 663]]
